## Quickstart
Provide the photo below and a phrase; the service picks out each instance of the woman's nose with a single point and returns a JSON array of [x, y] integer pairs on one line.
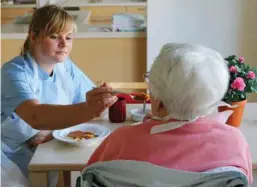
[[63, 42]]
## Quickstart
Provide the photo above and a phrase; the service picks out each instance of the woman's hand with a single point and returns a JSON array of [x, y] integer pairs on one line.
[[98, 100], [39, 138]]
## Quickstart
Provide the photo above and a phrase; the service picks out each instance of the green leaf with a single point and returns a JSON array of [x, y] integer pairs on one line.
[[242, 96], [230, 58], [254, 89], [255, 71], [235, 62], [238, 69]]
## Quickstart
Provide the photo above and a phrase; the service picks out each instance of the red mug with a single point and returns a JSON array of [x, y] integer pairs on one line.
[[117, 112]]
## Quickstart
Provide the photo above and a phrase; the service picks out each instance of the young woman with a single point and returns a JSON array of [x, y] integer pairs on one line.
[[42, 89]]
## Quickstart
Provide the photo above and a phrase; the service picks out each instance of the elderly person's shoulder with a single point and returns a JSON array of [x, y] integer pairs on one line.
[[206, 124], [218, 130], [18, 63], [215, 123]]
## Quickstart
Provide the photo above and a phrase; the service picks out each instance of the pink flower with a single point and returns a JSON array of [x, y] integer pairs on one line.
[[241, 59], [233, 69], [250, 75], [238, 84]]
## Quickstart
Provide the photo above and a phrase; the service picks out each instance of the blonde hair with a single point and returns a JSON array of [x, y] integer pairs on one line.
[[46, 21], [189, 79]]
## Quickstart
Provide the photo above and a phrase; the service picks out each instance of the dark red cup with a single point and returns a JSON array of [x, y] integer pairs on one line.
[[117, 112]]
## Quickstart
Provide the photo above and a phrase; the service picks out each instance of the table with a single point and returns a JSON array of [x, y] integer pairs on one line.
[[67, 158], [64, 157]]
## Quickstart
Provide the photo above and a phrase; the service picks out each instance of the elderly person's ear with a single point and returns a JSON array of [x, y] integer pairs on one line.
[[159, 105], [158, 109]]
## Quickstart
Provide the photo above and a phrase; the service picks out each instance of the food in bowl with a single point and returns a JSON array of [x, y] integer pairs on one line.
[[81, 135]]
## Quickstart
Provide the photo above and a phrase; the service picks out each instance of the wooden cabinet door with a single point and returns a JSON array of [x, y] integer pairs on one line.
[[103, 14], [9, 14], [10, 48], [137, 9]]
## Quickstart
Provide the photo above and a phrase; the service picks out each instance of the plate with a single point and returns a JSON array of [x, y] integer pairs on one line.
[[100, 130]]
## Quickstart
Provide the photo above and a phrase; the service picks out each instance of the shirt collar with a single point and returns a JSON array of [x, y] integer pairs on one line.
[[41, 73], [168, 124]]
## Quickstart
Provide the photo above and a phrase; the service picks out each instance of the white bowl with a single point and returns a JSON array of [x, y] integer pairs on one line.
[[138, 114], [99, 130]]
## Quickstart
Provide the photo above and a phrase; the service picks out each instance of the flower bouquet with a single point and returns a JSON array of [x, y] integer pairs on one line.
[[242, 81]]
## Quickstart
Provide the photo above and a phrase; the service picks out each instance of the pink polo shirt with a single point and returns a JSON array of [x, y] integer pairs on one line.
[[198, 146]]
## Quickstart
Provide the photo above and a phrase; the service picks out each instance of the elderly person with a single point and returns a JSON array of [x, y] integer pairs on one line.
[[186, 83]]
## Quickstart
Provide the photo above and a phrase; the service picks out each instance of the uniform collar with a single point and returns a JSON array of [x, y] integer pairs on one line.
[[41, 73]]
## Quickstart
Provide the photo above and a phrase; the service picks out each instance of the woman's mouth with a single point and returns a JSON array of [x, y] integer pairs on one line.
[[61, 53]]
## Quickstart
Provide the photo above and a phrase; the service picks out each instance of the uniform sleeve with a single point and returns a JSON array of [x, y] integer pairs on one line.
[[82, 83], [15, 88]]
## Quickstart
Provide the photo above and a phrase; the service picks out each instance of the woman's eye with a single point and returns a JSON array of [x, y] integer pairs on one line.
[[68, 38], [53, 37]]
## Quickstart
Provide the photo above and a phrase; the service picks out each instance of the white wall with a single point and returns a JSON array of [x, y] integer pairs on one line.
[[229, 26]]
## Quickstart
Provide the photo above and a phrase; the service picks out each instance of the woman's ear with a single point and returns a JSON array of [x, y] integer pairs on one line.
[[32, 36]]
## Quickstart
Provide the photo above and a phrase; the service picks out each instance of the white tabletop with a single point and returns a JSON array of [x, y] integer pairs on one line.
[[56, 155]]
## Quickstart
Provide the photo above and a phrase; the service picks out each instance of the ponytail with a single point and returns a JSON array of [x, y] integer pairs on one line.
[[26, 46]]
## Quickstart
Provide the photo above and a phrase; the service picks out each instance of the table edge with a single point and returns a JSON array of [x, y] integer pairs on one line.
[[51, 167], [72, 167]]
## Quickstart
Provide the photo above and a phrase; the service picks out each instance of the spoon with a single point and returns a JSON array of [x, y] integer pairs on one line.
[[115, 92], [144, 105]]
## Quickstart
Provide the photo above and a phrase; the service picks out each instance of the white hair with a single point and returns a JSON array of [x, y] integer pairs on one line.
[[190, 80]]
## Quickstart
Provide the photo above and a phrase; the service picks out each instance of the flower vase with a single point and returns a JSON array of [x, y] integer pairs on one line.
[[236, 118]]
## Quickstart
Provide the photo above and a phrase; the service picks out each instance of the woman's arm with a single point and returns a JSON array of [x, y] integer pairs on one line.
[[18, 96], [51, 117]]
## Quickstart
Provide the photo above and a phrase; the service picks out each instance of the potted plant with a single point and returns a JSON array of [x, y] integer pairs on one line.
[[242, 81]]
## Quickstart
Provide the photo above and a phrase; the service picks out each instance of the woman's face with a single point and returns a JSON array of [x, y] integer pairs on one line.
[[55, 48]]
